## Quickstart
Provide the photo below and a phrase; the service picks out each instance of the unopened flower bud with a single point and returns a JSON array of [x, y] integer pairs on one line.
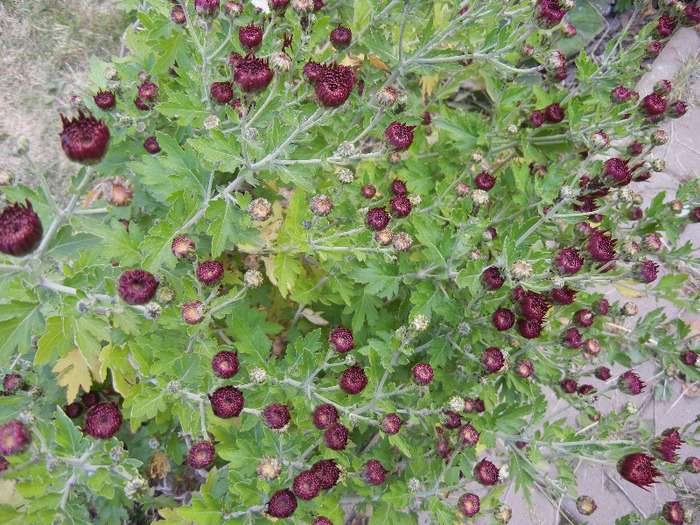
[[258, 375], [629, 309], [345, 175], [387, 96], [521, 270], [480, 197], [253, 279], [260, 209], [152, 311], [658, 165], [420, 323]]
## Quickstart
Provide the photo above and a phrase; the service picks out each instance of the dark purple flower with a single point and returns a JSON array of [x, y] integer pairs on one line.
[[630, 383], [492, 279], [377, 218], [136, 286], [353, 380], [336, 436], [553, 113], [373, 473], [105, 100], [324, 415], [306, 485], [151, 145], [486, 473], [398, 136], [282, 503], [341, 37], [250, 36], [422, 373], [103, 420], [400, 206], [84, 139], [327, 473], [276, 416], [14, 438], [200, 455], [226, 402], [469, 504], [20, 229], [391, 424], [638, 468], [225, 364], [251, 74], [503, 319], [334, 84], [221, 92]]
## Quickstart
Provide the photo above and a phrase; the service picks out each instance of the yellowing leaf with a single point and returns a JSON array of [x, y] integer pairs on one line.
[[356, 61], [628, 292], [314, 317], [74, 373], [159, 466], [270, 269], [427, 85], [8, 493]]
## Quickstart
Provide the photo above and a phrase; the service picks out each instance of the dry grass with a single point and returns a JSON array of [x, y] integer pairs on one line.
[[44, 57]]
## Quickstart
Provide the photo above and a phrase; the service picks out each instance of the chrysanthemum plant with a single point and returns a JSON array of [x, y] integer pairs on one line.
[[299, 275]]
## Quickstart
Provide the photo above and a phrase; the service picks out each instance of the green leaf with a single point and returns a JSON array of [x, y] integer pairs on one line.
[[118, 244], [67, 243], [381, 282], [247, 326], [287, 269], [227, 227], [184, 106], [68, 436], [58, 340], [221, 151], [362, 14], [19, 321]]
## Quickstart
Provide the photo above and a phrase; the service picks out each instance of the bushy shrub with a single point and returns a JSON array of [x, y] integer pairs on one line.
[[302, 268]]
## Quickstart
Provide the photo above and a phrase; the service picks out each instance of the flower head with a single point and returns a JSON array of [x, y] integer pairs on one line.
[[486, 473], [306, 485], [469, 504], [282, 504], [200, 455], [630, 383], [665, 446], [103, 420], [14, 438], [250, 36], [276, 416], [341, 340], [327, 472], [84, 138], [136, 286], [336, 436], [325, 415], [353, 380], [252, 74], [638, 468], [225, 364], [226, 402], [373, 472], [20, 229], [334, 84], [398, 136]]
